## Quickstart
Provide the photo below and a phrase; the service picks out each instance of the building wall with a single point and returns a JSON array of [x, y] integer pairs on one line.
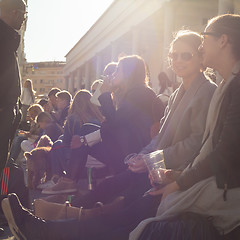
[[138, 27], [45, 75]]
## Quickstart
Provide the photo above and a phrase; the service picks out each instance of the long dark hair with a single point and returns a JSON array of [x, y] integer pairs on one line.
[[83, 109], [134, 71]]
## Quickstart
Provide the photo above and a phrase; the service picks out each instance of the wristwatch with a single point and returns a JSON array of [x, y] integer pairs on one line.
[[83, 140]]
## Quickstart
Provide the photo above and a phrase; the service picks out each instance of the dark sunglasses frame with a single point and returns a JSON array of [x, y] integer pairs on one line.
[[185, 56]]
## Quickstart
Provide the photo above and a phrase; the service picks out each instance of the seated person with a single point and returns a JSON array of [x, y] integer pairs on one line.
[[178, 141], [64, 99], [52, 98], [175, 134], [83, 117], [49, 126], [46, 105], [210, 185], [28, 137], [127, 127]]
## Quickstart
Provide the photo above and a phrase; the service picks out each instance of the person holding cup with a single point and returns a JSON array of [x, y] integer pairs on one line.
[[182, 127], [127, 123], [179, 138], [210, 185]]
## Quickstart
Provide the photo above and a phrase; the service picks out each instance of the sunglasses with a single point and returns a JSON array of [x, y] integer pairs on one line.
[[209, 34], [204, 34], [185, 56]]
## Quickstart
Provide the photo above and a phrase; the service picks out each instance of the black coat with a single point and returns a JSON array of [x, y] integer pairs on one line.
[[224, 161], [10, 89], [127, 128]]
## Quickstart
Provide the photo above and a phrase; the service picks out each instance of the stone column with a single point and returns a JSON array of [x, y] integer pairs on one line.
[[225, 6], [98, 66], [66, 78], [114, 53], [71, 83], [87, 76], [78, 79]]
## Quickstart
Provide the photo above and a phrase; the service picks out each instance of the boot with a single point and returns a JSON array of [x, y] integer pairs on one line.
[[25, 226], [58, 198], [55, 211], [17, 216]]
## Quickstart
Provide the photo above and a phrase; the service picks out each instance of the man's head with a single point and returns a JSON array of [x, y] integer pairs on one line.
[[13, 12], [44, 119], [52, 97], [64, 99]]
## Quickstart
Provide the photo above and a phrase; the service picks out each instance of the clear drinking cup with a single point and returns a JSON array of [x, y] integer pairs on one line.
[[132, 158], [156, 167]]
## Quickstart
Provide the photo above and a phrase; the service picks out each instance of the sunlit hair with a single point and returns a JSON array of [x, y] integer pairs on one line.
[[53, 92], [193, 39], [83, 109], [43, 102], [35, 109], [65, 95], [110, 68], [95, 85], [44, 117], [134, 71], [228, 24], [28, 84]]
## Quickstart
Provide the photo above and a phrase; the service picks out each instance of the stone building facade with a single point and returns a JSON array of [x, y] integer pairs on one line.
[[44, 75], [143, 27]]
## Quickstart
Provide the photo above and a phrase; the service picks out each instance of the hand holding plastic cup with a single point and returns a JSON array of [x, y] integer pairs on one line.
[[132, 158], [156, 167]]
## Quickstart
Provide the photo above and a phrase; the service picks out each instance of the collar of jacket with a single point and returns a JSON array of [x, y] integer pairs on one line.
[[11, 35]]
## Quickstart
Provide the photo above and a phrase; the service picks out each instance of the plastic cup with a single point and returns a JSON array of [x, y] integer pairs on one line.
[[156, 167], [128, 158]]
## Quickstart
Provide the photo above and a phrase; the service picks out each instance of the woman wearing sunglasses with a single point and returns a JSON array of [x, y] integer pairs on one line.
[[180, 136], [210, 185], [183, 124]]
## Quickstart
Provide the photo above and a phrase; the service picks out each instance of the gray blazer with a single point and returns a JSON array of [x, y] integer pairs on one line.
[[183, 123]]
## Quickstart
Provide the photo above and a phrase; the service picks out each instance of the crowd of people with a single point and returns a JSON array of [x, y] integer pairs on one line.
[[196, 127]]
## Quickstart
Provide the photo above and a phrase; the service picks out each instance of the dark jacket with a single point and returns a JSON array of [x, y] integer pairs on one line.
[[54, 131], [127, 129], [10, 89], [224, 161], [72, 127]]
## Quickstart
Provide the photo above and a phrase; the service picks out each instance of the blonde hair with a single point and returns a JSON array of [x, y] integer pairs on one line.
[[83, 108]]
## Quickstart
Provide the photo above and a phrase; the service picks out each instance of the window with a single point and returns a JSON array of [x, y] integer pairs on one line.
[[41, 81]]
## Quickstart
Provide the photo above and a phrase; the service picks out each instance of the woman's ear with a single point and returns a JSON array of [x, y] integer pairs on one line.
[[223, 40]]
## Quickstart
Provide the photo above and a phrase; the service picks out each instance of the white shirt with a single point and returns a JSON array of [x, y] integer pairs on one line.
[[26, 97]]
